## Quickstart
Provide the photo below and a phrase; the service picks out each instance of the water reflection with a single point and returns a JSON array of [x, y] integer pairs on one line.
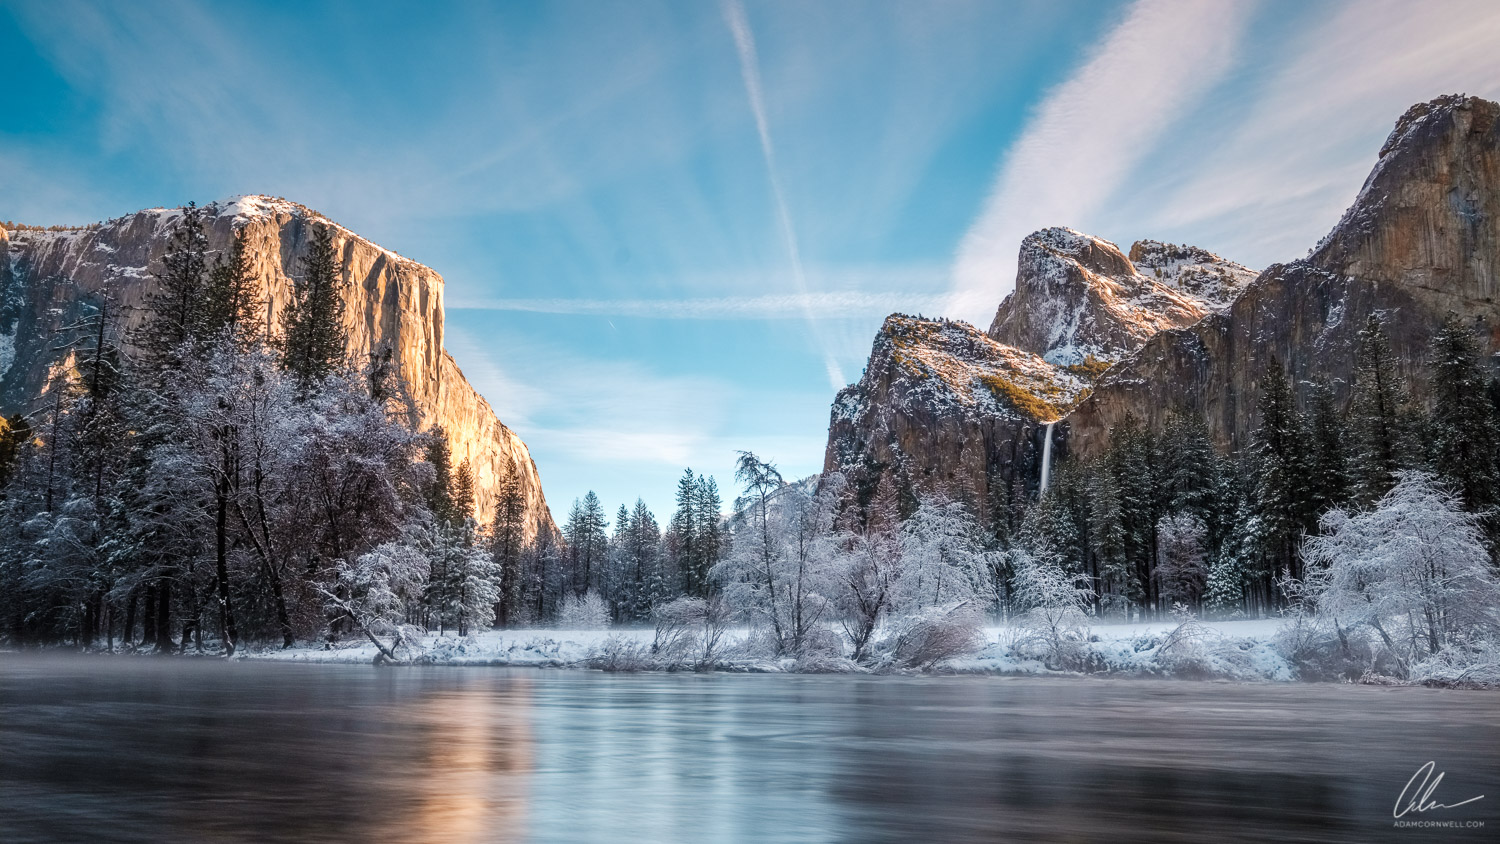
[[174, 750], [471, 780]]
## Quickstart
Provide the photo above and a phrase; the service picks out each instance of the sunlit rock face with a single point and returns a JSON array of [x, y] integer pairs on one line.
[[1421, 240], [50, 278], [943, 408], [1079, 297]]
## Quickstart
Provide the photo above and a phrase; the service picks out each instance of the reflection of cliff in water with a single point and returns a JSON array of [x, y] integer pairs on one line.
[[470, 784]]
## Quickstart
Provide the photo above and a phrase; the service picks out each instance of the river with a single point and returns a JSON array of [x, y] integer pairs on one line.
[[154, 749]]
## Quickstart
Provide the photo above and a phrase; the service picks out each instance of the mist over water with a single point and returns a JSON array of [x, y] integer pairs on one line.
[[184, 750]]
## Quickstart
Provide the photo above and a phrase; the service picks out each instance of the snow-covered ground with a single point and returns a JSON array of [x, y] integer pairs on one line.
[[1236, 650]]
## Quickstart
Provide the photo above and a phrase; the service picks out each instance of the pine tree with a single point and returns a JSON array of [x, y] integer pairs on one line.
[[462, 494], [1327, 461], [684, 528], [440, 491], [231, 298], [1133, 461], [1189, 462], [1377, 418], [1465, 442], [1281, 492], [1227, 576], [710, 532], [507, 535], [314, 340], [587, 542], [1106, 532], [175, 308]]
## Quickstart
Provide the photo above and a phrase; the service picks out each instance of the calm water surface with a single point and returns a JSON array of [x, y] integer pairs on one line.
[[182, 750]]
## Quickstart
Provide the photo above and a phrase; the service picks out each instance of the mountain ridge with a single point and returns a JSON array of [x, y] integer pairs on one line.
[[1421, 239], [52, 277]]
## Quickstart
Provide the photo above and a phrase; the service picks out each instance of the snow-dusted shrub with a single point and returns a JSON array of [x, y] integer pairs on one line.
[[676, 628], [1467, 663], [1055, 612], [933, 635], [690, 631], [377, 592], [620, 653], [1183, 651], [1411, 578], [585, 612]]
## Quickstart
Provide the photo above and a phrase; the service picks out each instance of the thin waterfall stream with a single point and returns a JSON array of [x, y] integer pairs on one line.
[[1046, 458]]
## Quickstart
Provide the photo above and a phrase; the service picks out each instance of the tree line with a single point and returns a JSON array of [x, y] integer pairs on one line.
[[223, 480], [1162, 519]]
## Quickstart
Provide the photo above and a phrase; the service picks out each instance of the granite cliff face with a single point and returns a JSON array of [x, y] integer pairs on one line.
[[46, 278], [1079, 297], [1184, 328], [944, 407], [1421, 240]]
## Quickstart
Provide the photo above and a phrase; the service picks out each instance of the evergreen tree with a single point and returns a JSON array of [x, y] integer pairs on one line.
[[1133, 460], [1465, 442], [1377, 418], [1327, 462], [1189, 464], [175, 308], [507, 536], [1282, 496], [314, 338], [685, 526], [231, 298], [711, 537], [1106, 533], [587, 543], [462, 494], [440, 489]]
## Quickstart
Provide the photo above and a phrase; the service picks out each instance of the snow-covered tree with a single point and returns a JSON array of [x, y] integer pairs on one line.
[[314, 339], [778, 572], [1379, 432], [507, 544], [942, 559], [1181, 567], [1413, 573], [379, 592], [1465, 439], [588, 611], [1282, 497], [1055, 609]]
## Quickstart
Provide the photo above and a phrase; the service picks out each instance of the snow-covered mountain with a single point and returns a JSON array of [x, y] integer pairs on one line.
[[1105, 336], [48, 279], [1421, 240], [1080, 297]]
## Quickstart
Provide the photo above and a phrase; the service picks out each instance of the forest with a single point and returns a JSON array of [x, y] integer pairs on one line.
[[217, 484]]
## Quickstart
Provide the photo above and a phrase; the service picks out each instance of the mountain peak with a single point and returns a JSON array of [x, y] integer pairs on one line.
[[1078, 296], [1428, 215]]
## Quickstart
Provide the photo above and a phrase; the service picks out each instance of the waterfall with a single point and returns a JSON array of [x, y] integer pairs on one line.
[[1046, 459]]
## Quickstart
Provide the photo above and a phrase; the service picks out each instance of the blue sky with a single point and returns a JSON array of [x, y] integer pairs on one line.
[[670, 230]]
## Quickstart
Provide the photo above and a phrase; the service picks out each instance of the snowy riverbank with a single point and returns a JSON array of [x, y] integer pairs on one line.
[[1233, 650]]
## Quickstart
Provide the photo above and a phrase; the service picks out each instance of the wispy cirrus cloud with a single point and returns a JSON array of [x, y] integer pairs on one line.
[[744, 43], [845, 304], [1297, 144], [1082, 141]]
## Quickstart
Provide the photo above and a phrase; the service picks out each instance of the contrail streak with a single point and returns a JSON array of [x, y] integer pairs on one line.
[[744, 43]]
